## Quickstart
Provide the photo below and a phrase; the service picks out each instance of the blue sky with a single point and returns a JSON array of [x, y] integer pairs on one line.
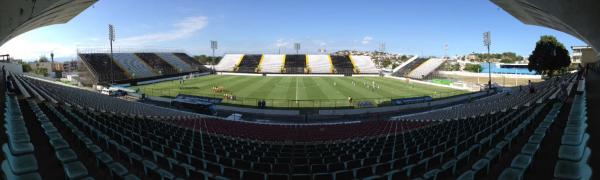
[[410, 27]]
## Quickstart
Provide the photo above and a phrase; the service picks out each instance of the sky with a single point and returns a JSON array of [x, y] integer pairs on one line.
[[415, 27]]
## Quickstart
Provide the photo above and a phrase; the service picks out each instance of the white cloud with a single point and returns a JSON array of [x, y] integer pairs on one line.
[[319, 43], [21, 47], [183, 29], [283, 43], [366, 40], [27, 48]]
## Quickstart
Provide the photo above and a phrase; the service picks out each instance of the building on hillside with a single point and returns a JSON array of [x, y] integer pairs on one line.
[[70, 66], [585, 53]]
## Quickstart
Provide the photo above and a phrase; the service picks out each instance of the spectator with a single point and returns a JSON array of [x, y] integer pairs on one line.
[[531, 88]]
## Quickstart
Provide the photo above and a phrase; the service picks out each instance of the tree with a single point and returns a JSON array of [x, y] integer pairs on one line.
[[473, 68], [43, 59], [507, 60], [386, 63], [41, 71], [204, 59], [548, 56], [26, 67]]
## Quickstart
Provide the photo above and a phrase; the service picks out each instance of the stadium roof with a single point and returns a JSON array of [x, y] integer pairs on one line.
[[20, 16], [578, 18]]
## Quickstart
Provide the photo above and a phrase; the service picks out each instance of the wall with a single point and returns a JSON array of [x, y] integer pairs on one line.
[[12, 67]]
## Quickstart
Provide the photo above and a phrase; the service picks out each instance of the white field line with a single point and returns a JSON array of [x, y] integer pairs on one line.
[[296, 90]]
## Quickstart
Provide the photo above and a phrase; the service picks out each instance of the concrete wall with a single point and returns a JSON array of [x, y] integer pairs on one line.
[[12, 67]]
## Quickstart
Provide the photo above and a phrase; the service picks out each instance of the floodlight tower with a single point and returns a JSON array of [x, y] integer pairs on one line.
[[487, 42], [213, 46], [446, 51], [52, 62], [111, 39], [382, 47], [297, 47]]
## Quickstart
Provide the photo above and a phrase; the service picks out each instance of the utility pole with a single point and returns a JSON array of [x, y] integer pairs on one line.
[[487, 42], [111, 39]]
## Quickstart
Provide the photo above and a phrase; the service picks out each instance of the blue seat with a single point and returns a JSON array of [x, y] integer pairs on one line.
[[521, 161], [103, 159], [130, 177], [536, 138], [19, 148], [481, 168], [572, 153], [75, 170], [10, 175], [149, 166], [573, 170], [117, 169], [58, 144], [54, 135], [468, 175], [21, 164], [511, 174], [432, 174], [165, 174], [574, 139], [95, 150], [530, 149], [66, 155]]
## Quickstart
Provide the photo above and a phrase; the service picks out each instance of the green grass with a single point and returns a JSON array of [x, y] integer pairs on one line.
[[302, 92], [442, 81]]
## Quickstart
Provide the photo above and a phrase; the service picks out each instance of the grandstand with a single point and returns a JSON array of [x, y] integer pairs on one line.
[[191, 61], [365, 65], [295, 64], [320, 64], [401, 66], [249, 64], [426, 68], [159, 65], [229, 62], [405, 68], [103, 68], [272, 63], [132, 67], [342, 64], [178, 63]]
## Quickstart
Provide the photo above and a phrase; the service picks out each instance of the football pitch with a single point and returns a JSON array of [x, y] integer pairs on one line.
[[300, 91]]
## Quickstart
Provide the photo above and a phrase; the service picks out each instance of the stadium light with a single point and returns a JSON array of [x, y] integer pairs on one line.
[[52, 62], [213, 46], [297, 47], [111, 39], [487, 42]]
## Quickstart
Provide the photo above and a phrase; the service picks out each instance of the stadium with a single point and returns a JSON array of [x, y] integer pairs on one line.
[[166, 114]]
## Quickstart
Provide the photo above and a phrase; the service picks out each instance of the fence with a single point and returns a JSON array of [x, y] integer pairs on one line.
[[298, 104]]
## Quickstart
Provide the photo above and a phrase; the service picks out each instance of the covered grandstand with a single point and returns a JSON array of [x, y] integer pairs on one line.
[[134, 67], [249, 64]]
